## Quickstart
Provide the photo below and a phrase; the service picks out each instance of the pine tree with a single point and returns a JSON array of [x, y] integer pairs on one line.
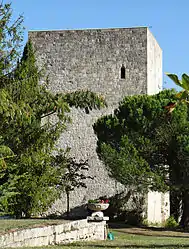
[[32, 137], [145, 147], [32, 120]]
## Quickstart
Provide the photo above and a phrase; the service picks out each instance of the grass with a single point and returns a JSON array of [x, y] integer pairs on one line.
[[12, 225], [132, 241], [125, 237], [133, 238]]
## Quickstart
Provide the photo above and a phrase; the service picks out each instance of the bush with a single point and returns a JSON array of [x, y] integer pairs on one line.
[[171, 222]]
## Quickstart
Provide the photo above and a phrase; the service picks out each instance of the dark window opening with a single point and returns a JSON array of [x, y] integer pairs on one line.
[[122, 72]]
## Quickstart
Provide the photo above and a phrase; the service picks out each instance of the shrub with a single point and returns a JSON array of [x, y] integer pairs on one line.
[[171, 222]]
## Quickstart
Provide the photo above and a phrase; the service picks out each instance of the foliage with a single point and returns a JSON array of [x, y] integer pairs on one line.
[[10, 41], [171, 222], [126, 141], [183, 83], [27, 185], [99, 200], [32, 120], [71, 173], [32, 137], [182, 96], [144, 147], [10, 38], [82, 99]]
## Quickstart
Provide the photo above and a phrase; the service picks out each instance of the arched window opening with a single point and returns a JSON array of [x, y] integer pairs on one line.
[[123, 72]]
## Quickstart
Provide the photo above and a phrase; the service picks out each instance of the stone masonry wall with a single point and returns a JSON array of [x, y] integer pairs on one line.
[[92, 59], [154, 65], [79, 230]]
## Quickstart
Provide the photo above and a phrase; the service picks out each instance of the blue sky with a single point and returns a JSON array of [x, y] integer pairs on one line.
[[168, 19]]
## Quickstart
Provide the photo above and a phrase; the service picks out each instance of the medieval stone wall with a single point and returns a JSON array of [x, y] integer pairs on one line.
[[154, 65], [92, 59]]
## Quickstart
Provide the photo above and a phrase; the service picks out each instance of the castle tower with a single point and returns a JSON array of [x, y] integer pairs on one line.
[[112, 62]]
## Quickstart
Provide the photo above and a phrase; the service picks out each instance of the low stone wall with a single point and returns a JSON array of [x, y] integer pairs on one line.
[[56, 234]]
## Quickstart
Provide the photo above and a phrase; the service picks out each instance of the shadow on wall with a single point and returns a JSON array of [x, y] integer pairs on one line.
[[126, 206], [76, 213]]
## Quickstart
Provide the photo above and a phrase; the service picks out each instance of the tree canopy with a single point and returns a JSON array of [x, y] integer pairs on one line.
[[145, 147], [32, 119]]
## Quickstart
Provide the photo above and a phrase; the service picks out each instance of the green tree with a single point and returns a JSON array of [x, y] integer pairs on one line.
[[182, 96], [32, 137], [72, 174], [145, 147], [10, 43], [32, 120]]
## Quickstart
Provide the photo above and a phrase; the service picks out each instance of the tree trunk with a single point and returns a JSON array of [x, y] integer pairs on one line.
[[185, 215], [18, 214], [27, 214], [68, 203], [176, 204]]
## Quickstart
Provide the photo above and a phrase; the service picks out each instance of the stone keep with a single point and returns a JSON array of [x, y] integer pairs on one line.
[[111, 62]]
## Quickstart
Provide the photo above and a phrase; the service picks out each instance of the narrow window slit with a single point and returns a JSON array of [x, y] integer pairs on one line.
[[123, 72]]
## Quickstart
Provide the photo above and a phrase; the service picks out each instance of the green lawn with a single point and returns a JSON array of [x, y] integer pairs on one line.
[[11, 225], [134, 238]]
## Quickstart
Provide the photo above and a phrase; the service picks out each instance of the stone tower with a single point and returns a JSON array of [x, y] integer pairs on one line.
[[111, 62]]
